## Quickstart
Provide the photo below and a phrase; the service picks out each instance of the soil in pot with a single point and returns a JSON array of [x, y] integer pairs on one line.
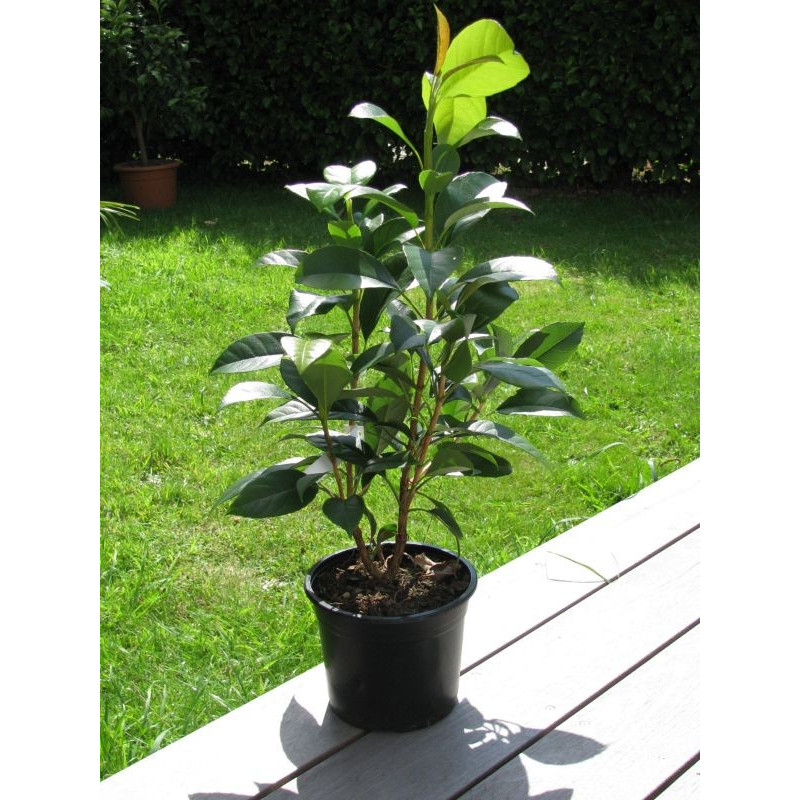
[[392, 652], [421, 584]]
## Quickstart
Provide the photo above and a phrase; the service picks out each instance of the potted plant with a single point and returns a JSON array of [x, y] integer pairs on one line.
[[401, 399], [146, 82]]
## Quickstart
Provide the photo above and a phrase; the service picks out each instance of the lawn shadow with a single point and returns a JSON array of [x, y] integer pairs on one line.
[[648, 239]]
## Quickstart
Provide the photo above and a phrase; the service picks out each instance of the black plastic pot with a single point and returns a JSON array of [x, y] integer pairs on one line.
[[391, 673]]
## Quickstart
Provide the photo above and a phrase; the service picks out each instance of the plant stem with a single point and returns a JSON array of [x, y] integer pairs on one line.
[[139, 125]]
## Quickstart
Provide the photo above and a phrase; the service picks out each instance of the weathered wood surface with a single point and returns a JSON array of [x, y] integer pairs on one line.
[[639, 730], [685, 787], [530, 669]]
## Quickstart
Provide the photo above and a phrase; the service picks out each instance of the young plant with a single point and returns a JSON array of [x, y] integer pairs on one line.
[[403, 397], [145, 71]]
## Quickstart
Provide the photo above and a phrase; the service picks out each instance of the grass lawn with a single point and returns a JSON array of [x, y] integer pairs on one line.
[[201, 612]]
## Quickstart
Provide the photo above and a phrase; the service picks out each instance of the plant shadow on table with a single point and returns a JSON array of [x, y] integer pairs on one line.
[[404, 757]]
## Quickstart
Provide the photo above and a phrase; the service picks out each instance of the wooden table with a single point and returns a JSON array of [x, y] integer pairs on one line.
[[572, 687]]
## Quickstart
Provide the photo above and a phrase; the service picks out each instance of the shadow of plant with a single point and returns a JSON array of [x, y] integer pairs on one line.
[[415, 764]]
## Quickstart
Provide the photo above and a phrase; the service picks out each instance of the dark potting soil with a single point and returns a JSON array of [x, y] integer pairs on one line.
[[416, 587]]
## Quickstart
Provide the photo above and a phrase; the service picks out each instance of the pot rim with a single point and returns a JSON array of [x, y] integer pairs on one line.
[[153, 164], [398, 619]]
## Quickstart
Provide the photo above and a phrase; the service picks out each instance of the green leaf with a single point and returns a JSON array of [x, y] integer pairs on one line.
[[446, 158], [337, 267], [252, 390], [386, 199], [272, 494], [479, 208], [432, 268], [235, 488], [377, 114], [389, 233], [467, 460], [461, 191], [348, 233], [441, 512], [459, 364], [372, 355], [541, 402], [344, 513], [361, 173], [487, 302], [322, 369], [521, 374], [483, 427], [254, 352], [433, 182], [308, 304], [322, 196], [283, 258], [490, 126], [343, 445], [554, 344], [478, 41], [293, 410], [404, 335], [510, 268], [455, 117]]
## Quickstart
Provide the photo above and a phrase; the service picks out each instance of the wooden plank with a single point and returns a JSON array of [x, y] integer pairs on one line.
[[612, 541], [685, 787], [507, 701], [236, 754], [636, 527], [644, 728]]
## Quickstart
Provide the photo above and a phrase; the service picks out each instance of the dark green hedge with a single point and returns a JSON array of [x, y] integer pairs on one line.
[[614, 86]]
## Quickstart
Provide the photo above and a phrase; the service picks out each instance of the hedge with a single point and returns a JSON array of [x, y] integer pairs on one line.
[[614, 86]]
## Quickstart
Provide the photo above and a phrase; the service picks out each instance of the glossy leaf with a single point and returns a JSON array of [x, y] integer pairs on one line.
[[252, 390], [308, 304], [490, 126], [251, 353], [467, 460], [477, 41], [478, 209], [372, 355], [377, 114], [441, 512], [433, 182], [386, 199], [446, 158], [235, 488], [541, 402], [521, 374], [345, 513], [326, 377], [345, 232], [322, 196], [431, 269], [337, 267], [360, 174], [459, 365], [483, 427], [283, 258], [488, 302], [553, 345], [272, 494], [510, 268], [442, 39]]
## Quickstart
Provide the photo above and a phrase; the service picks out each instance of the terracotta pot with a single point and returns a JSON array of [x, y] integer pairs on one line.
[[391, 673], [151, 185]]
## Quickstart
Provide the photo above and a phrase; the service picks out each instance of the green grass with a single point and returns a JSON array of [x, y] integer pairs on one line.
[[201, 612]]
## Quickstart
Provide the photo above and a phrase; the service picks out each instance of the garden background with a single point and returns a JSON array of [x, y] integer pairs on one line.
[[201, 612]]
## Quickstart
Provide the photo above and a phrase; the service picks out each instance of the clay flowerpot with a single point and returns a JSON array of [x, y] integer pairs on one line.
[[149, 185], [394, 673]]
